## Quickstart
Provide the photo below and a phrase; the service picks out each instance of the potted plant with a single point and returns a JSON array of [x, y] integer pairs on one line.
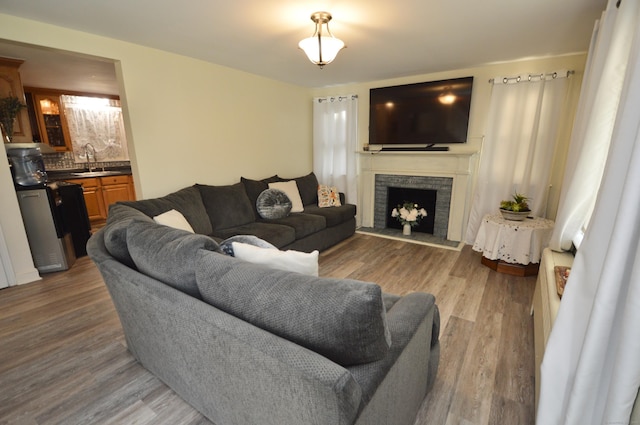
[[9, 108], [409, 215], [515, 209]]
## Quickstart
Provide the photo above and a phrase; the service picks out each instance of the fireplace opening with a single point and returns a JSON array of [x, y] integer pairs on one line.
[[425, 198]]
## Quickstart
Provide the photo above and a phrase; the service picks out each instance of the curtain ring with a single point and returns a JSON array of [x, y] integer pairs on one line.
[[505, 80], [554, 75]]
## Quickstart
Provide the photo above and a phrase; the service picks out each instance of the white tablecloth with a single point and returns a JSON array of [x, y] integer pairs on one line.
[[516, 242]]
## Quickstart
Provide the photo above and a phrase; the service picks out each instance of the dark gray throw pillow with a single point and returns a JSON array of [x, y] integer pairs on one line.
[[273, 204], [341, 319], [308, 188], [227, 206], [168, 254]]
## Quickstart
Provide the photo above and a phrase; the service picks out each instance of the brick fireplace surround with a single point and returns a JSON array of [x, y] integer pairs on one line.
[[450, 172], [442, 186]]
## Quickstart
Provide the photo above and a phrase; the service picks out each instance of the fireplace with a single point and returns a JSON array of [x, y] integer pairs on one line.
[[424, 190], [425, 198]]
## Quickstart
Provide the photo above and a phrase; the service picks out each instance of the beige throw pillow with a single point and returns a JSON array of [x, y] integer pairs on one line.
[[291, 189], [175, 219]]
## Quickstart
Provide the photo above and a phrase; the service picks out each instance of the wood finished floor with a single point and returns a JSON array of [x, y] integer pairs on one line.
[[64, 359]]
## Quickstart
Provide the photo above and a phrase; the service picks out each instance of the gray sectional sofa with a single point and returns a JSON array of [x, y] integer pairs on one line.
[[247, 344], [225, 211]]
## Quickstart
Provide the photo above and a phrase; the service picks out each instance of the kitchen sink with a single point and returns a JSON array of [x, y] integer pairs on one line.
[[96, 173]]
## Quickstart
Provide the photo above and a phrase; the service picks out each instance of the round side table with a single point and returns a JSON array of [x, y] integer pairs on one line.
[[513, 247]]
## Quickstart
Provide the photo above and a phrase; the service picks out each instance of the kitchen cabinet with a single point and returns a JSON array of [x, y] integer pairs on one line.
[[11, 85], [117, 188], [52, 124], [101, 192]]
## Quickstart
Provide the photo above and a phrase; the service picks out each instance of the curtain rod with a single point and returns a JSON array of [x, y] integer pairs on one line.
[[338, 98], [518, 78]]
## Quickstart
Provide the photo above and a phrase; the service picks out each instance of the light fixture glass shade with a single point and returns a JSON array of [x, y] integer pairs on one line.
[[328, 46], [322, 47]]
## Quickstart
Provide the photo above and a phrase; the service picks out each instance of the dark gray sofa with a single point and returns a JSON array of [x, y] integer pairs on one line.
[[225, 211], [246, 344]]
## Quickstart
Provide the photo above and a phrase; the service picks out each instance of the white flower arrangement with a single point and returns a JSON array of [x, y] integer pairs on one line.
[[409, 213]]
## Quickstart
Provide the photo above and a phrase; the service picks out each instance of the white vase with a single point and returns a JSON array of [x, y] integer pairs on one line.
[[406, 229]]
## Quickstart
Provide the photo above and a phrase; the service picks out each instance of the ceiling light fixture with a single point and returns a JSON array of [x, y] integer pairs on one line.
[[322, 47]]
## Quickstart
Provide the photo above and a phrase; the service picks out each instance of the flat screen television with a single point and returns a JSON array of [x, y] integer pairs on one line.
[[435, 112]]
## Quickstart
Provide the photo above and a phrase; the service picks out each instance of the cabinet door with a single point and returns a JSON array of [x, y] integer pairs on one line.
[[93, 198], [51, 121], [116, 188]]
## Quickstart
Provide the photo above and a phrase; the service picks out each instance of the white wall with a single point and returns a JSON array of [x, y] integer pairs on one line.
[[187, 120], [480, 103]]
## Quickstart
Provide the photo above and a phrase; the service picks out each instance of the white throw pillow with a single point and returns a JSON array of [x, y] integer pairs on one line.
[[291, 189], [175, 219], [292, 261]]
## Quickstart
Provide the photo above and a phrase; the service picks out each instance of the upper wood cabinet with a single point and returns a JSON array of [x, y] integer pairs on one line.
[[52, 124], [11, 85]]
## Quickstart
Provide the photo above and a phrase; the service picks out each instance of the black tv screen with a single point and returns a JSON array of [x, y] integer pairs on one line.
[[423, 113]]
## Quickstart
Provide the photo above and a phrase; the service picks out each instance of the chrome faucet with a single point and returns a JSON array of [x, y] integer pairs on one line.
[[89, 147]]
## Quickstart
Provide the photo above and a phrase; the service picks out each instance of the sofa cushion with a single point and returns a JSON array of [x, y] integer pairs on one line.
[[276, 234], [303, 224], [341, 319], [308, 187], [227, 245], [167, 254], [272, 204], [255, 187], [335, 215], [187, 201], [227, 206], [291, 189], [293, 261]]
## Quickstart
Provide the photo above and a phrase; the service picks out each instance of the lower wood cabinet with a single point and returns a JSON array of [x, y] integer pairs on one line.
[[100, 192]]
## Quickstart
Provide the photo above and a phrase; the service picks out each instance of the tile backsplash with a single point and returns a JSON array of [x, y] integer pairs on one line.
[[66, 161]]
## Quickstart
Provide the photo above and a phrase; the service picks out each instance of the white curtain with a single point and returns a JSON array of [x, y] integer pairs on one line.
[[593, 125], [524, 114], [335, 138], [591, 367], [96, 121]]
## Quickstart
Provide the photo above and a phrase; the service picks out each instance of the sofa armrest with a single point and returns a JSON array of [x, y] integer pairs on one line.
[[226, 368], [396, 388]]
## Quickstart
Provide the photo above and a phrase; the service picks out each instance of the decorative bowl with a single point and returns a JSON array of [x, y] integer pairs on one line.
[[513, 215]]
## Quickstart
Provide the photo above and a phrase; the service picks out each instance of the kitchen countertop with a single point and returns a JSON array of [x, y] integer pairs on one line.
[[79, 173]]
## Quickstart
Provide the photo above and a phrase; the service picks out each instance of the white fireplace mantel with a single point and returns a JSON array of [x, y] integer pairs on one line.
[[459, 164]]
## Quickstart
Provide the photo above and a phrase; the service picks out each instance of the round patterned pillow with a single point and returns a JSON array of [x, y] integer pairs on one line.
[[273, 203]]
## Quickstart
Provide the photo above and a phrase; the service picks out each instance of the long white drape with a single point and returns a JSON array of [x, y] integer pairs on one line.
[[591, 367], [520, 140], [335, 137], [593, 125]]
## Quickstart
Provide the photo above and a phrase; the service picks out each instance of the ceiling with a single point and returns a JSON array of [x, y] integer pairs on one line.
[[385, 39]]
